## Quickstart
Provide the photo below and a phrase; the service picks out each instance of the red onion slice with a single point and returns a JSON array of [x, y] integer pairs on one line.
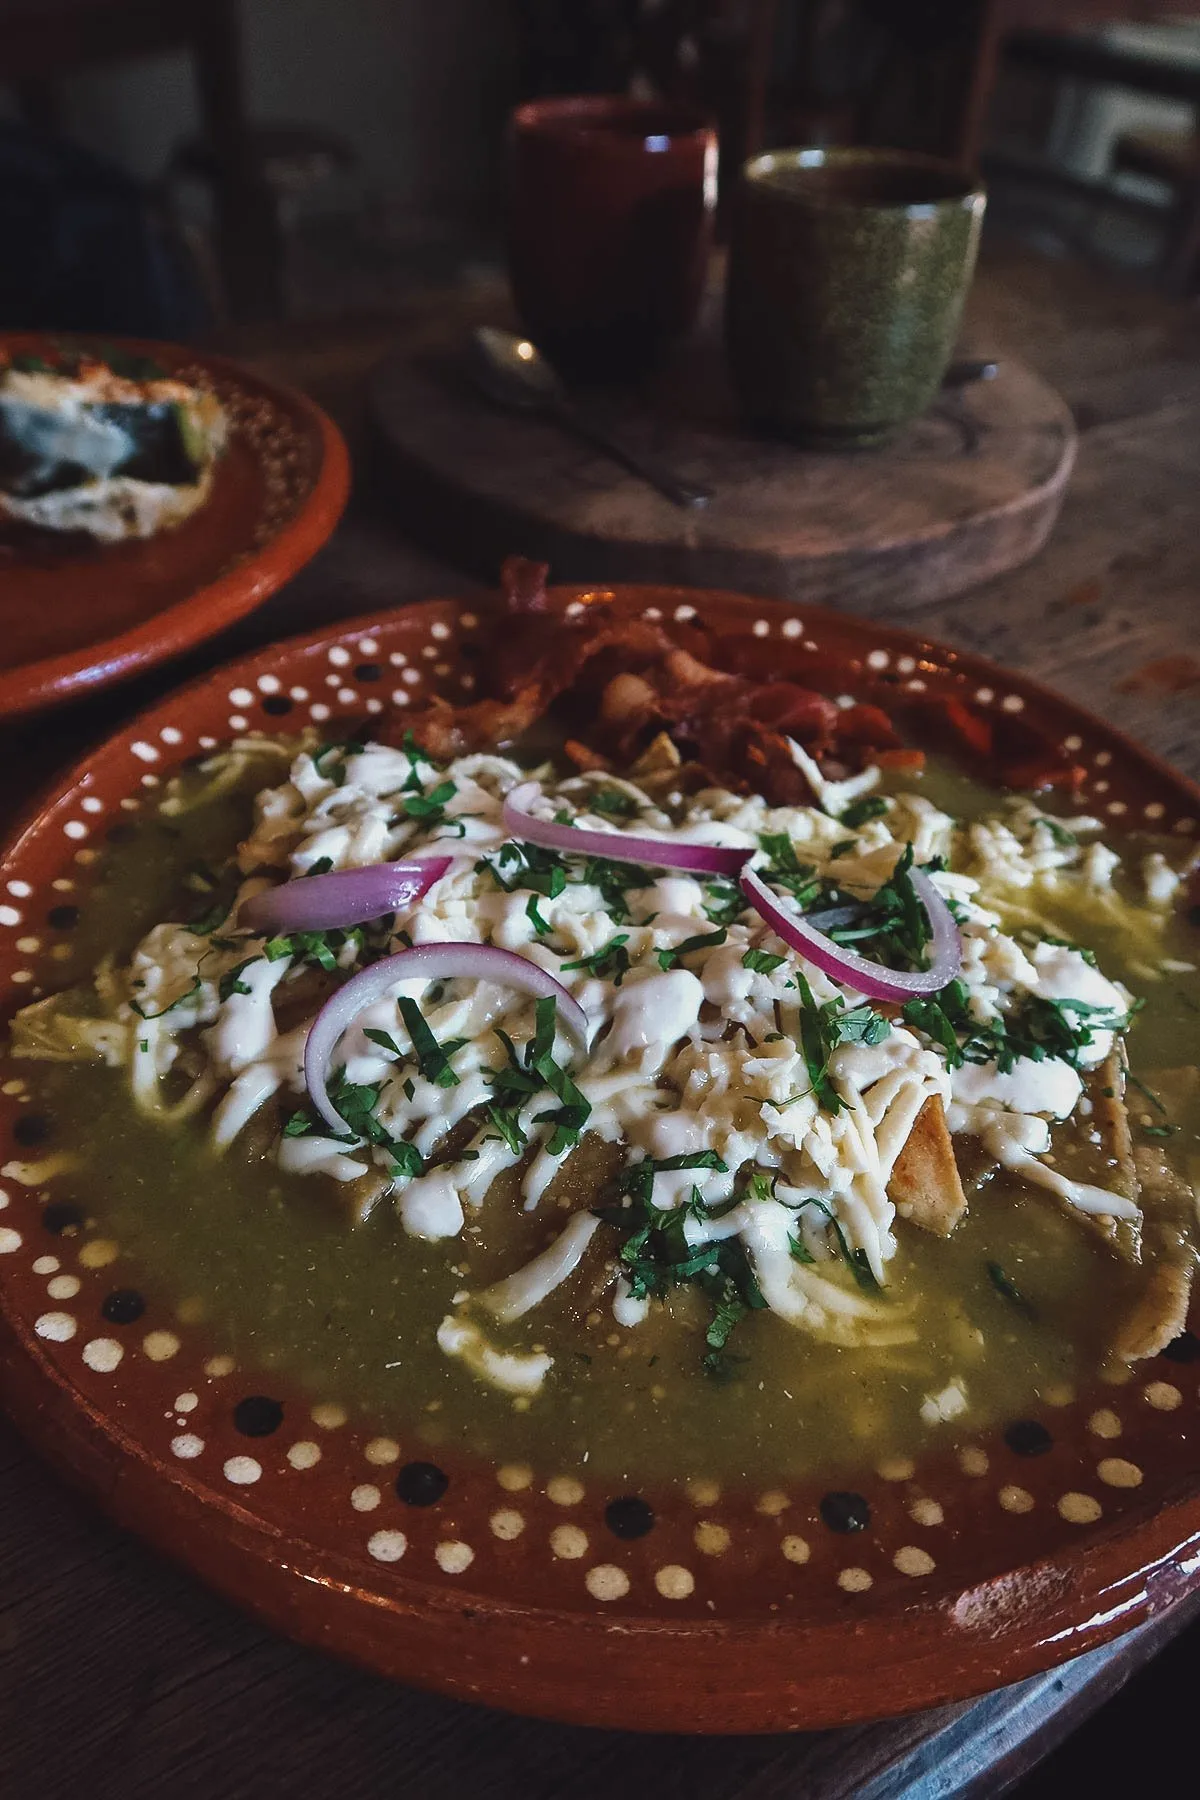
[[620, 846], [344, 897], [429, 962], [858, 972]]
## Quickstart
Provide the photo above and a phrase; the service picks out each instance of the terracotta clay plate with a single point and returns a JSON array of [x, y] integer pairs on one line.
[[78, 615], [688, 1607]]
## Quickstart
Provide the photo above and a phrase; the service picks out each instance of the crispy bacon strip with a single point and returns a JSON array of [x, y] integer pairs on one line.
[[926, 1186], [620, 682]]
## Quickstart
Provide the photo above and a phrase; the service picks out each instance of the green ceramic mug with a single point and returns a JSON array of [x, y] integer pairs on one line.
[[848, 270]]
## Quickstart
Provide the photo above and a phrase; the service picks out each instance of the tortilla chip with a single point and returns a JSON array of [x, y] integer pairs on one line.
[[926, 1187], [1110, 1116], [1160, 1311]]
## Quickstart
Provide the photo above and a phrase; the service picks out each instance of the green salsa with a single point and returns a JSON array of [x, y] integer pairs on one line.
[[1017, 1304]]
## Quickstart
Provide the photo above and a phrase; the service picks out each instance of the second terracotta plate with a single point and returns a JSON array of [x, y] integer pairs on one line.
[[689, 1606], [75, 616]]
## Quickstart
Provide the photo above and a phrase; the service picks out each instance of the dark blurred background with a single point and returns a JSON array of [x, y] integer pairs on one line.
[[168, 165]]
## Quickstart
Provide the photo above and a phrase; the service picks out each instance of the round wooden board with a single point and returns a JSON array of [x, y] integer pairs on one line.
[[971, 490]]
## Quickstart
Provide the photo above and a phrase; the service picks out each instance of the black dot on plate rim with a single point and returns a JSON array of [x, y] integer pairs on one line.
[[1183, 1349], [421, 1484], [123, 1306], [32, 1128], [60, 1216], [845, 1511], [258, 1415], [277, 705], [368, 671], [63, 918], [629, 1517], [1028, 1437]]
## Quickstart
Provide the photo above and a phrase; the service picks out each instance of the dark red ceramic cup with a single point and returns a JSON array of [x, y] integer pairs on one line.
[[610, 223]]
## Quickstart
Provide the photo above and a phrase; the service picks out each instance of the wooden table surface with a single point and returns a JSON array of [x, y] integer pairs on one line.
[[119, 1676]]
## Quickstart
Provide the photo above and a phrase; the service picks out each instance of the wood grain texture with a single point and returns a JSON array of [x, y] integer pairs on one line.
[[969, 491], [121, 1677], [123, 1680]]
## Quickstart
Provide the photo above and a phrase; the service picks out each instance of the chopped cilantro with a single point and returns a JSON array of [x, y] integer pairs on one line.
[[343, 749], [571, 1115], [638, 1180], [902, 925], [407, 1160], [319, 948], [1006, 1286], [1033, 938], [545, 1022], [430, 808], [517, 865], [941, 1018], [1033, 1029], [321, 866], [704, 940], [1065, 839], [721, 1366], [856, 1260], [1159, 1131], [231, 982], [1152, 1097], [656, 1257], [535, 918], [609, 963], [823, 1028], [417, 760], [508, 1124], [433, 1058], [762, 962], [725, 903], [861, 1025], [786, 871], [208, 922], [385, 1040], [521, 1078], [356, 1102], [871, 806], [843, 848], [611, 803], [614, 879]]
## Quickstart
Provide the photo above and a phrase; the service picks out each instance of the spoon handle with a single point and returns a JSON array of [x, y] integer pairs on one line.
[[672, 487]]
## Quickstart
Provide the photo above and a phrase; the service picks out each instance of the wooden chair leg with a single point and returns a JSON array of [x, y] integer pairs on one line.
[[964, 129], [249, 238], [764, 14], [1181, 265]]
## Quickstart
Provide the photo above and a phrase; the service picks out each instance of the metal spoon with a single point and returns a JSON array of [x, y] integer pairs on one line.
[[513, 372], [964, 374]]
